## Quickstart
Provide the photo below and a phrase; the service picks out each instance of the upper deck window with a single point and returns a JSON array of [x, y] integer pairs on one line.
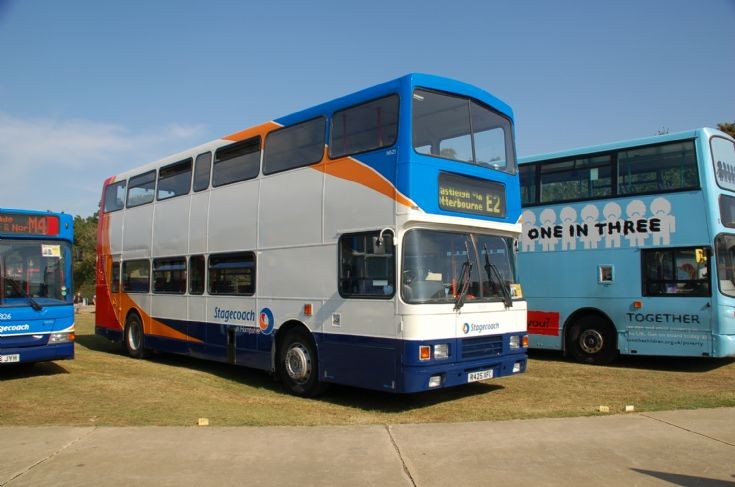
[[461, 129], [576, 179], [174, 179], [295, 146], [236, 162], [660, 168], [365, 127], [202, 168], [115, 196], [664, 167], [142, 189]]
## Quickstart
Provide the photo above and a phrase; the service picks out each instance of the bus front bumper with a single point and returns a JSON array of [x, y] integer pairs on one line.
[[61, 351], [438, 376]]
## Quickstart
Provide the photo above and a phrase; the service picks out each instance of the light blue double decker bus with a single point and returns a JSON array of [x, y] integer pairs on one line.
[[629, 247], [36, 309]]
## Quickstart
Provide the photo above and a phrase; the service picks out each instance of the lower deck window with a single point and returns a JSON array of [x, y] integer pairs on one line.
[[676, 271], [169, 275], [136, 276], [232, 274]]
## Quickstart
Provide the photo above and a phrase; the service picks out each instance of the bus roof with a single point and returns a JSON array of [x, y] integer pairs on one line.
[[643, 141], [404, 84]]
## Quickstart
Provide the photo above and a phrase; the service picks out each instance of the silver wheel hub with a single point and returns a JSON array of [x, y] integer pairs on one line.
[[134, 338], [298, 362], [591, 341]]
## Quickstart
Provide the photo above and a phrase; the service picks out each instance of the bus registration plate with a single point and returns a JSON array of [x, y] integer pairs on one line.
[[8, 359], [480, 375]]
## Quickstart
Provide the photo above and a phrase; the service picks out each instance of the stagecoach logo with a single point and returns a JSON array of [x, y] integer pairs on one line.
[[479, 328], [266, 321], [4, 328], [635, 225], [233, 317]]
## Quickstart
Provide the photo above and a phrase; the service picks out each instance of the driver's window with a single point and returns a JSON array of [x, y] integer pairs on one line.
[[366, 265]]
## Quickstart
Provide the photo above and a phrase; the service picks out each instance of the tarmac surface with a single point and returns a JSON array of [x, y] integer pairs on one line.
[[687, 448]]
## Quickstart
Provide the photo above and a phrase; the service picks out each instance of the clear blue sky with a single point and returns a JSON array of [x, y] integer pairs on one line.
[[90, 88]]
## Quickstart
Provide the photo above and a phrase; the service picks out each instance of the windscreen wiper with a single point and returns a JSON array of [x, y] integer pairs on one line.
[[494, 275], [464, 280], [19, 289]]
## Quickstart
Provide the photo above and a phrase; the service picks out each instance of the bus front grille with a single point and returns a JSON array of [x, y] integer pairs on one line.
[[483, 346]]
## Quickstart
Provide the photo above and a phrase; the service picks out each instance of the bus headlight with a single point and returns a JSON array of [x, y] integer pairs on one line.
[[441, 351], [67, 336], [515, 342]]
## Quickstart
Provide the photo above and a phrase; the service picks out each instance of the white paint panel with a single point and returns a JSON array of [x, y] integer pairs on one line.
[[291, 208], [170, 228], [349, 206], [309, 272], [168, 306], [362, 317], [116, 231], [198, 222], [440, 321], [197, 308], [137, 233], [233, 217]]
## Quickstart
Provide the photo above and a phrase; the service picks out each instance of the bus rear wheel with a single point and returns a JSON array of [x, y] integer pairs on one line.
[[592, 340], [134, 339], [298, 366]]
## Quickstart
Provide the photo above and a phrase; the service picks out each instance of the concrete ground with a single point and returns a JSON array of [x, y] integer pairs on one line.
[[687, 448]]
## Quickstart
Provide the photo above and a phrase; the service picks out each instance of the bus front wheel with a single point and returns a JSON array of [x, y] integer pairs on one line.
[[592, 341], [298, 366], [134, 339]]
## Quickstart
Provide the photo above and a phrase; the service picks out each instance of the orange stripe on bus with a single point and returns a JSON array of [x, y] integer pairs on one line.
[[352, 170], [261, 130]]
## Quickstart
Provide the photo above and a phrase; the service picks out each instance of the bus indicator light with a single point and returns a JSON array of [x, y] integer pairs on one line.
[[424, 352], [637, 304], [308, 310]]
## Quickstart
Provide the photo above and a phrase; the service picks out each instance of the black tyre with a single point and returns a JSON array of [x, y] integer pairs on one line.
[[134, 339], [298, 365], [592, 340]]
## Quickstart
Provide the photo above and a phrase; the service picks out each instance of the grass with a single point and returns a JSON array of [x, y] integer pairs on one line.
[[104, 387]]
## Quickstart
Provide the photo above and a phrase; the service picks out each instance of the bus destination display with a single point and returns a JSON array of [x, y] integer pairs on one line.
[[468, 195], [21, 224]]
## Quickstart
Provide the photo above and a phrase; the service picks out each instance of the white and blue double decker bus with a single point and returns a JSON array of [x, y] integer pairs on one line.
[[629, 247], [36, 309], [366, 241]]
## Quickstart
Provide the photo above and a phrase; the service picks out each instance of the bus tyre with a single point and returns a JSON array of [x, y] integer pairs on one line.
[[134, 339], [298, 366], [592, 341]]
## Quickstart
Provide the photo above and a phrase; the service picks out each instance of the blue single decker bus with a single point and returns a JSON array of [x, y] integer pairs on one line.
[[629, 247], [36, 309]]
